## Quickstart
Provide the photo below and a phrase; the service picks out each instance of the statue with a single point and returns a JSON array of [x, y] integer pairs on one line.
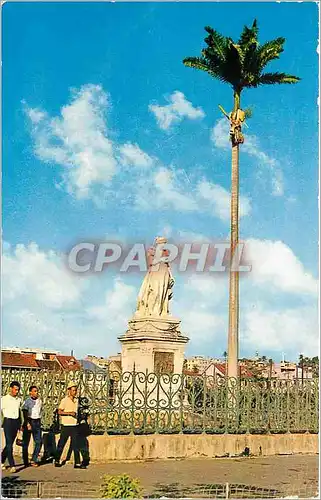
[[156, 290], [236, 119]]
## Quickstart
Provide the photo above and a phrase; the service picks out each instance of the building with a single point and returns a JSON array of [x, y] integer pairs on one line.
[[199, 364], [216, 371], [285, 370], [19, 361], [90, 366], [39, 353], [115, 363], [112, 363], [98, 361], [37, 359]]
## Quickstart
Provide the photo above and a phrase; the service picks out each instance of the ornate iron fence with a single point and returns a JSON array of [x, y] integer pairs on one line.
[[143, 403]]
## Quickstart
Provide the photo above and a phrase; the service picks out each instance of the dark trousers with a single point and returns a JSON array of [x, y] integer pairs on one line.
[[10, 428], [68, 431], [83, 446], [37, 437]]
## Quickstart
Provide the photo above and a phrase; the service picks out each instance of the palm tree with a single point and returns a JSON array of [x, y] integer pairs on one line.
[[241, 65], [301, 362]]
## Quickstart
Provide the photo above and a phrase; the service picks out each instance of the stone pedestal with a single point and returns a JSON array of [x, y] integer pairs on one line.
[[153, 351], [147, 340]]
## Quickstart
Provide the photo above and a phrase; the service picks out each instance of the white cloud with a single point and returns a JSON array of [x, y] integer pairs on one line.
[[190, 236], [274, 263], [45, 305], [251, 146], [131, 154], [32, 322], [170, 189], [77, 140], [282, 330], [214, 288], [220, 200], [174, 112], [118, 305], [27, 271], [164, 189], [202, 326], [220, 134], [94, 166], [41, 299], [35, 115], [268, 321]]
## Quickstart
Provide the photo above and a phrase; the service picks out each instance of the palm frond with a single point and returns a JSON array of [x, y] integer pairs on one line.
[[202, 64], [250, 66], [269, 51], [196, 62], [249, 35], [248, 113], [232, 69], [240, 64], [216, 42], [272, 78], [211, 57]]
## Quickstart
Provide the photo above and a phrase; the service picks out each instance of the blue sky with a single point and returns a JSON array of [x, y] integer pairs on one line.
[[85, 157]]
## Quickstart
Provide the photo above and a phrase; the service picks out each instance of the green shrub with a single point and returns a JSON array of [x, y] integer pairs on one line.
[[122, 486]]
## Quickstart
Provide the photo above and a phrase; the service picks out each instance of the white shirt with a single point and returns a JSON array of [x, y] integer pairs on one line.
[[34, 407], [68, 405], [10, 406]]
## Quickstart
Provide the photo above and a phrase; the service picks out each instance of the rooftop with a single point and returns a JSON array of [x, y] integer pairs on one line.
[[18, 360], [32, 361], [30, 350]]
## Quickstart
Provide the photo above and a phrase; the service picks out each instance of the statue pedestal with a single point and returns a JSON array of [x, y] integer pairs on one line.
[[148, 341], [153, 352]]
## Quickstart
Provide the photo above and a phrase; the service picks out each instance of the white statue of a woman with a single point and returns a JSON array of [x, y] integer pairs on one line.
[[156, 290]]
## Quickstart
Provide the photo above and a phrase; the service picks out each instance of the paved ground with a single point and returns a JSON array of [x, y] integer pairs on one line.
[[290, 474]]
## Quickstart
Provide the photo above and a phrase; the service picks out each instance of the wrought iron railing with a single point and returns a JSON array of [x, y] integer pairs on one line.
[[143, 403]]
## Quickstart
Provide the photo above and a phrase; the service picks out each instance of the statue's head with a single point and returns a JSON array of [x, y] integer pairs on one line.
[[160, 240]]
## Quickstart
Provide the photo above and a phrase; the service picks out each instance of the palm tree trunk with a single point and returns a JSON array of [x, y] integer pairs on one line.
[[233, 328]]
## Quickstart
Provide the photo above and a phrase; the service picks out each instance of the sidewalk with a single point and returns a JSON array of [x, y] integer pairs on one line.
[[290, 475]]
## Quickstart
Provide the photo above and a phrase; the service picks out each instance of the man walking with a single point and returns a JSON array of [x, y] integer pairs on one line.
[[31, 410], [10, 406], [68, 410]]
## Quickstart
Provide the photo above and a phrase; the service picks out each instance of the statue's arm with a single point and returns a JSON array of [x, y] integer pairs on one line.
[[150, 257]]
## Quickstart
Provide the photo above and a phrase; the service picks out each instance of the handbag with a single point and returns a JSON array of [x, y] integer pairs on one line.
[[19, 440]]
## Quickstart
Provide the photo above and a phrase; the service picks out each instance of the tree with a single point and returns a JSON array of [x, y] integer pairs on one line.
[[301, 362], [241, 65], [306, 363]]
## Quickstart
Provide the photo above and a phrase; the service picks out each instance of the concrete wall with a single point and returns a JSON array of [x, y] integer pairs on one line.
[[124, 448]]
